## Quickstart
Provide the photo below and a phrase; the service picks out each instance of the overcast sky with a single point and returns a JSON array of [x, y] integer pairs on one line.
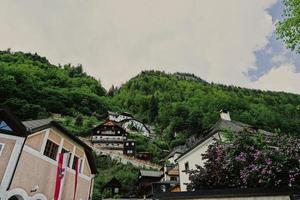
[[230, 42]]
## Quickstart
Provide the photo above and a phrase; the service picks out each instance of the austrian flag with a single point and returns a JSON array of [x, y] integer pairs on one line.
[[60, 175]]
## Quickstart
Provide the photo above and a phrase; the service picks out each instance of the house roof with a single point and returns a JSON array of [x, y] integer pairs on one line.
[[37, 125], [180, 150], [109, 123], [222, 125], [150, 173], [132, 119], [26, 128], [13, 122]]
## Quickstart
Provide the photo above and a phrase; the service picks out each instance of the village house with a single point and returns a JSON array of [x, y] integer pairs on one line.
[[29, 159], [129, 147], [192, 157], [113, 116], [171, 171], [114, 186], [146, 180], [128, 122], [111, 136]]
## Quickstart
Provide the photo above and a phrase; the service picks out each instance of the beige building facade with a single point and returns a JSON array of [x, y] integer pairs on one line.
[[29, 158]]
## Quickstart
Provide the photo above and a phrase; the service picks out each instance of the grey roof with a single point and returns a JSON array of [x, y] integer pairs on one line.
[[34, 125], [150, 173], [234, 126], [179, 149], [223, 125], [37, 125]]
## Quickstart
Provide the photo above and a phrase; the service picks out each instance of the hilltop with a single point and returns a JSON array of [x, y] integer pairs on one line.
[[180, 103]]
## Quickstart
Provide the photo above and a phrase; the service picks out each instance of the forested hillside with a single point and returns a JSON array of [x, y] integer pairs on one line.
[[178, 103], [182, 103], [32, 87]]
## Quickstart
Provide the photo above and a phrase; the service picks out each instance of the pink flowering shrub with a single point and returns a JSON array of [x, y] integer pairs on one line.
[[249, 159]]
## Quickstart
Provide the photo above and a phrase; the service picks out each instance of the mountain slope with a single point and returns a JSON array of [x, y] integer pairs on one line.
[[32, 87], [189, 105], [181, 102]]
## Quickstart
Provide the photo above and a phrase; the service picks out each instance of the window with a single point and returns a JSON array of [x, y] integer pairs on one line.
[[127, 143], [80, 165], [186, 166], [51, 150], [74, 162], [129, 151], [173, 178], [1, 148], [69, 162], [66, 151], [132, 143]]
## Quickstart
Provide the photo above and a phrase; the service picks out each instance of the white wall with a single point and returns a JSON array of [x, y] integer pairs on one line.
[[193, 158], [172, 160]]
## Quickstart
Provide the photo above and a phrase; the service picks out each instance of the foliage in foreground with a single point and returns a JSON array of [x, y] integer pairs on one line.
[[289, 28], [249, 160]]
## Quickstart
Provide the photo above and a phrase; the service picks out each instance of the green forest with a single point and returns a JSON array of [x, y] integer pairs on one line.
[[33, 88]]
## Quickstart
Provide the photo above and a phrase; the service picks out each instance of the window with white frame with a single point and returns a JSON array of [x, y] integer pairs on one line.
[[51, 150], [1, 148], [75, 159], [81, 165]]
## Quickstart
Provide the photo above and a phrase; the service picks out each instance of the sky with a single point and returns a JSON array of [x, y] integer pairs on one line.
[[230, 42]]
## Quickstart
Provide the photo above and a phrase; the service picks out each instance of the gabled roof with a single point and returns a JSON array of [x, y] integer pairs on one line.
[[13, 122], [38, 125], [150, 173], [222, 125], [180, 150], [109, 123]]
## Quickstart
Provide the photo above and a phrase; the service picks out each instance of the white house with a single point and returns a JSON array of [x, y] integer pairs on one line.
[[188, 160], [139, 126], [118, 117], [128, 122]]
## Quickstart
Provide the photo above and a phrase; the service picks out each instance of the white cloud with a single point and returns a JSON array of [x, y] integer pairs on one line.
[[283, 78], [115, 40]]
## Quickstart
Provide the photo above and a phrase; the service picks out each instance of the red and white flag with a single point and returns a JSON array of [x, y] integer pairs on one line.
[[60, 175]]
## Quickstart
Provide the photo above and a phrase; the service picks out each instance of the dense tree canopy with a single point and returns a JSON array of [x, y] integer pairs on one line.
[[186, 105], [32, 87], [178, 103], [289, 28]]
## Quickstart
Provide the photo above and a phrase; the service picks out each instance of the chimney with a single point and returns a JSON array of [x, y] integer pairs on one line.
[[224, 114]]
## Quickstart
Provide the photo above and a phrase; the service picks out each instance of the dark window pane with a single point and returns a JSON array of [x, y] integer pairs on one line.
[[74, 162], [51, 150]]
